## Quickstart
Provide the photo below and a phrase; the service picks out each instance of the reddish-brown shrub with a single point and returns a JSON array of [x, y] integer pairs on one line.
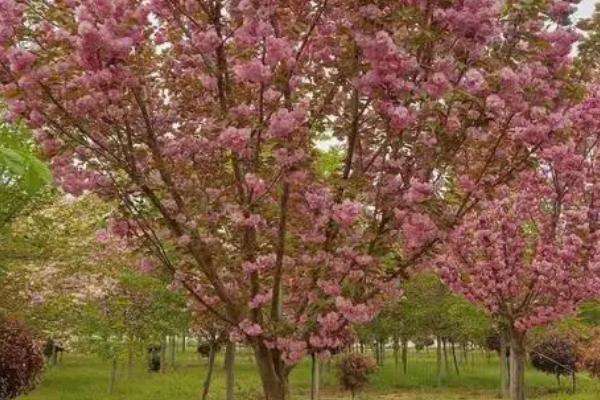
[[21, 361], [555, 355], [589, 356], [355, 371]]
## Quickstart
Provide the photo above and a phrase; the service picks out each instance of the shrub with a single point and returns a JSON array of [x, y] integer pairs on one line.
[[589, 357], [555, 355], [355, 371], [492, 343], [422, 342], [21, 361]]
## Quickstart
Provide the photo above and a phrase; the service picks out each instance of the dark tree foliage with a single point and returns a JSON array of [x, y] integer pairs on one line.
[[422, 342], [355, 371], [492, 343], [204, 348], [154, 358], [21, 361], [555, 355]]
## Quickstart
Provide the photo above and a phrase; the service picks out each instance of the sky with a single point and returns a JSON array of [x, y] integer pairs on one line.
[[586, 7]]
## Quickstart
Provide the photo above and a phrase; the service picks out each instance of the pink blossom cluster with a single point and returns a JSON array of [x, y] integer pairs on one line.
[[525, 262]]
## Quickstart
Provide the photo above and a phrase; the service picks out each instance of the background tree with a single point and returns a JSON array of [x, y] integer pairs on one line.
[[532, 257]]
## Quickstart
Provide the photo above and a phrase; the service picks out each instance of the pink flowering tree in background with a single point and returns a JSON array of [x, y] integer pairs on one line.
[[207, 119], [532, 255]]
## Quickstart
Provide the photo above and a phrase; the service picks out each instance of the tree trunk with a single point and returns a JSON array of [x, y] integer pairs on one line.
[[405, 356], [376, 352], [183, 341], [113, 376], [445, 348], [130, 360], [396, 351], [315, 379], [53, 356], [172, 349], [211, 366], [517, 365], [230, 371], [504, 369], [382, 352], [273, 373], [574, 377], [163, 355], [453, 347], [441, 372]]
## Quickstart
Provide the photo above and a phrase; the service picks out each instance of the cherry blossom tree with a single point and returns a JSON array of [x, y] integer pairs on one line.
[[207, 120], [532, 255]]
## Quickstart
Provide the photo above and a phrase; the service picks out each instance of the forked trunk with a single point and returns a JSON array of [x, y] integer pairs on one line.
[[517, 365], [273, 373]]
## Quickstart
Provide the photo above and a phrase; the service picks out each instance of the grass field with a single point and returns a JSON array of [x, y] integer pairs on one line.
[[81, 377]]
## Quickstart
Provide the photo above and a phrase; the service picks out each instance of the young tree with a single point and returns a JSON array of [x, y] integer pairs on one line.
[[532, 256], [204, 119]]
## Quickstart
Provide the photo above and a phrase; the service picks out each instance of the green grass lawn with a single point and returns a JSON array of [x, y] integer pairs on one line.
[[81, 377]]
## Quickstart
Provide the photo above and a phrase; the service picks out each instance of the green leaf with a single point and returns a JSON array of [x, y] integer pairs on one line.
[[13, 161]]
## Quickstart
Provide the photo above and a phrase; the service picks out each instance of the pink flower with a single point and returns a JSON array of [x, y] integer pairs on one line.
[[418, 191], [146, 265], [495, 104], [347, 213], [21, 61], [356, 314], [253, 71], [250, 329], [278, 49], [235, 139], [207, 41], [400, 118], [102, 236], [561, 9], [438, 85], [184, 240], [260, 300], [474, 82], [284, 123]]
